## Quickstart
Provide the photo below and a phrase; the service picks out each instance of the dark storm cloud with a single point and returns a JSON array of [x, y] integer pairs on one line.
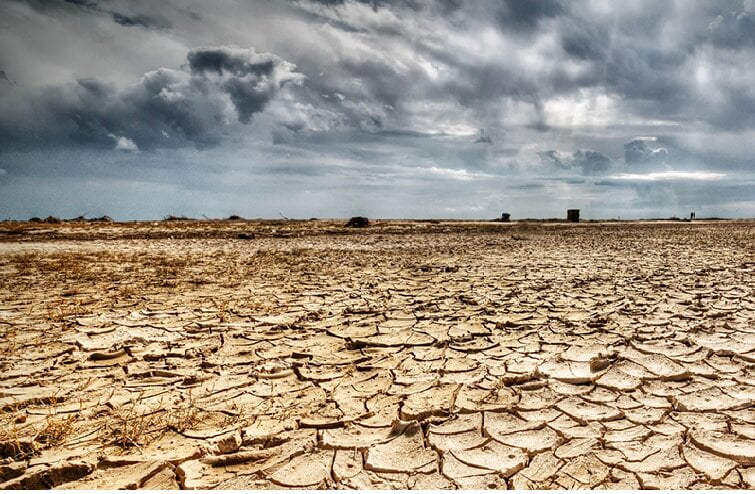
[[83, 3], [166, 108], [225, 59], [140, 21], [584, 40], [526, 15], [247, 77], [4, 77], [122, 18]]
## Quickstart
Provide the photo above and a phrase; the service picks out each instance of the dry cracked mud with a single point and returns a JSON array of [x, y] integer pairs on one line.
[[408, 355]]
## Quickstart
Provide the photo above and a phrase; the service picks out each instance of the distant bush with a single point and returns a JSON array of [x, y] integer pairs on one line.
[[358, 222], [102, 219]]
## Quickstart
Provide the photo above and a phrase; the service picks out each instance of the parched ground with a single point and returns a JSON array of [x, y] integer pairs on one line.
[[405, 355]]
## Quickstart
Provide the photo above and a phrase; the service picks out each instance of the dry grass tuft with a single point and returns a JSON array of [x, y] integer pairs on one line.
[[55, 430], [133, 426]]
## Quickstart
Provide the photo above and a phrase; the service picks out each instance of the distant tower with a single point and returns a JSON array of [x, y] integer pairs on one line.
[[572, 215], [505, 217]]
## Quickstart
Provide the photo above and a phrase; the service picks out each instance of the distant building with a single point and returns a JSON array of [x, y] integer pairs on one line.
[[572, 215], [505, 217]]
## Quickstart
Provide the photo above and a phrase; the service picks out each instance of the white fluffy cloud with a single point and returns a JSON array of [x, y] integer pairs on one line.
[[123, 143]]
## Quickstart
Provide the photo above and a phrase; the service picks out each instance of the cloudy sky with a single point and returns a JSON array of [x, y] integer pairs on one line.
[[405, 108]]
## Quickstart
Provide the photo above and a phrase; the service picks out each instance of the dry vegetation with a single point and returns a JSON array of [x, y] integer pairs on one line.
[[405, 355]]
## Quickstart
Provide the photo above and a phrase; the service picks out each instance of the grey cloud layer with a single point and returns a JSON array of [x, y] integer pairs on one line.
[[657, 61], [639, 151], [166, 108], [564, 90], [589, 161], [406, 66]]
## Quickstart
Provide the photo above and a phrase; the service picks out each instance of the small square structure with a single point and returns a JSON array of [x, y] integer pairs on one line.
[[572, 215]]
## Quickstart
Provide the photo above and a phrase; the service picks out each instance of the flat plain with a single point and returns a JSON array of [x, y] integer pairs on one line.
[[405, 355]]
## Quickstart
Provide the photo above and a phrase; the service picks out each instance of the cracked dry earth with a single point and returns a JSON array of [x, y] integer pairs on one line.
[[420, 356]]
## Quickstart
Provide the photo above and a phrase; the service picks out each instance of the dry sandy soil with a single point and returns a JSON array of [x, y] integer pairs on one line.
[[405, 355]]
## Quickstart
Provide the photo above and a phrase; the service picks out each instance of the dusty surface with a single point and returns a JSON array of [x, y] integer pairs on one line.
[[405, 355]]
